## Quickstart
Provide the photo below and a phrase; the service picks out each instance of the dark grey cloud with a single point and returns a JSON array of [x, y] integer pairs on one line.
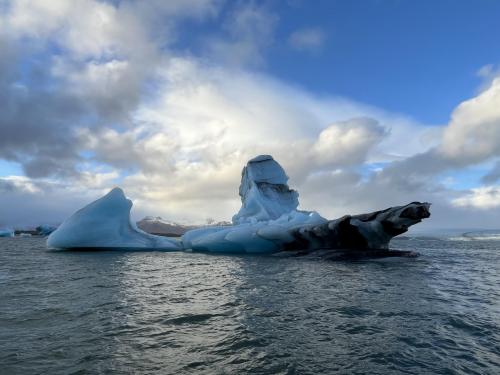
[[35, 116], [493, 175], [65, 73], [41, 113], [7, 187], [28, 203], [247, 31]]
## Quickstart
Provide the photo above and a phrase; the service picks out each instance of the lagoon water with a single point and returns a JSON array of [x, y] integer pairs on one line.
[[183, 313]]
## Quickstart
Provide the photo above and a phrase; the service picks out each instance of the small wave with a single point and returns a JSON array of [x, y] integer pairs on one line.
[[190, 319], [478, 238], [486, 235]]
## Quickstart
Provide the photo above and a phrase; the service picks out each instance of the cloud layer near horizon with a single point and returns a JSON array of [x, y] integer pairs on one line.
[[97, 94]]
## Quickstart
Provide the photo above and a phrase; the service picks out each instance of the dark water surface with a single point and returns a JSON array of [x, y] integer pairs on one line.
[[181, 313]]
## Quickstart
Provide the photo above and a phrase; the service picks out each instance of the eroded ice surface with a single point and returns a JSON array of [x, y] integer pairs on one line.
[[264, 192], [268, 220], [268, 212], [106, 223], [265, 236]]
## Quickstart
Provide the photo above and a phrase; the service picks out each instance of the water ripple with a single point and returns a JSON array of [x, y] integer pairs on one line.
[[177, 313]]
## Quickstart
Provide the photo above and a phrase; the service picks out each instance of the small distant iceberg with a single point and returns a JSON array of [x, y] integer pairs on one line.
[[478, 235], [6, 232], [267, 222], [45, 229], [453, 234]]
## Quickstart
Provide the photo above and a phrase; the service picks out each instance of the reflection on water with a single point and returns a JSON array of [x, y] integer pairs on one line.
[[154, 312]]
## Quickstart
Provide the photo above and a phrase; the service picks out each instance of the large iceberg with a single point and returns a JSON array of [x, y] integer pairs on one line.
[[268, 212], [264, 192], [106, 223], [267, 222]]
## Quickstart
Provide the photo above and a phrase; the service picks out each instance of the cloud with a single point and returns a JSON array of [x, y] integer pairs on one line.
[[185, 154], [247, 31], [34, 122], [18, 183], [307, 39], [471, 137], [98, 95], [347, 143], [487, 74], [493, 175], [45, 94], [484, 198], [100, 29], [473, 134], [68, 66], [28, 202]]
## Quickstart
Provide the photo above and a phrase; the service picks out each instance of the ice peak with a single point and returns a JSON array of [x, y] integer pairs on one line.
[[259, 158], [105, 223], [264, 168], [116, 192], [264, 192]]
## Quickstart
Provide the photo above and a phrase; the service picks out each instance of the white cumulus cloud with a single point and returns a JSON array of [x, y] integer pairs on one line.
[[113, 102], [485, 197]]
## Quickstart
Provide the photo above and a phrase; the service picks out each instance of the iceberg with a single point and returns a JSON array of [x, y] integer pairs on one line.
[[264, 192], [106, 223], [268, 222], [45, 229], [6, 232], [268, 212]]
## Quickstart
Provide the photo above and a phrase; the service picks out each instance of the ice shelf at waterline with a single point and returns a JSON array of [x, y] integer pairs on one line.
[[268, 222]]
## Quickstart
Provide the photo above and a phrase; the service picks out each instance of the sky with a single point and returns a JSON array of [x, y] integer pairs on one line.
[[366, 104]]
